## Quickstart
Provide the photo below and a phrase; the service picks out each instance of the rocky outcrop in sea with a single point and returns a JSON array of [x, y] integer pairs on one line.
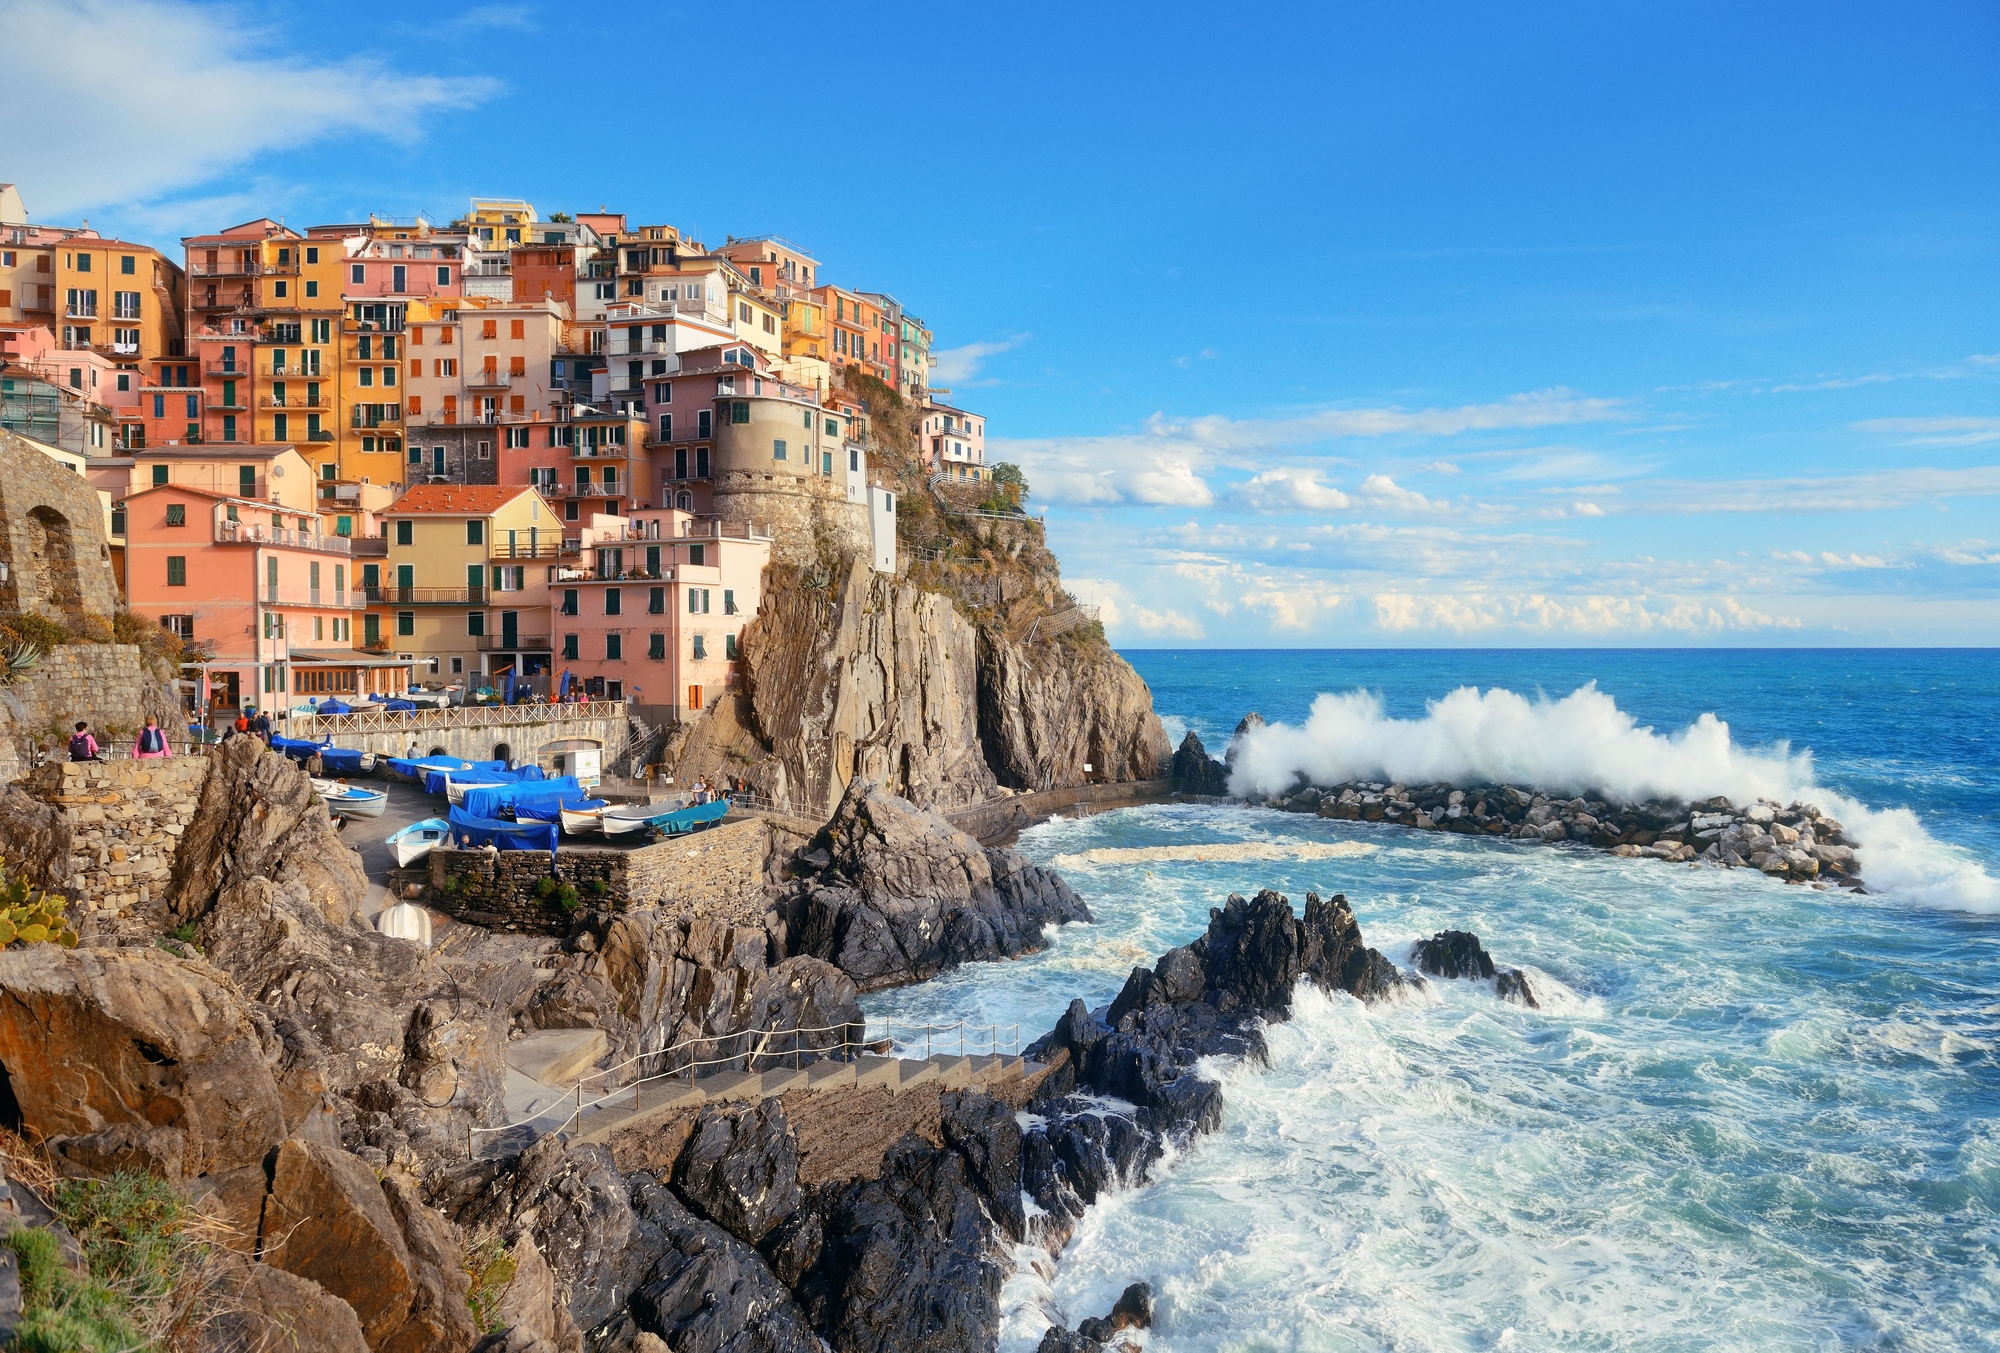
[[1796, 842]]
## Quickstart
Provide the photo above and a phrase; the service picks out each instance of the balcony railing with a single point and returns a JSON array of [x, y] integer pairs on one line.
[[291, 373], [512, 643], [292, 402], [623, 347], [323, 597], [254, 533], [541, 549], [593, 491], [226, 369], [368, 417], [235, 267], [426, 596], [489, 380]]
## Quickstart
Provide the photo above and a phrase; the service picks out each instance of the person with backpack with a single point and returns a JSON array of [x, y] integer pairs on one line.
[[152, 743], [82, 746]]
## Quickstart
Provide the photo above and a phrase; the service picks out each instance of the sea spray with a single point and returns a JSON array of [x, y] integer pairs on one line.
[[1585, 742]]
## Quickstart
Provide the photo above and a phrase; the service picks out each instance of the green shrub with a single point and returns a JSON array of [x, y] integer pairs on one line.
[[598, 887], [566, 897], [32, 628], [144, 1270], [543, 887], [491, 1270]]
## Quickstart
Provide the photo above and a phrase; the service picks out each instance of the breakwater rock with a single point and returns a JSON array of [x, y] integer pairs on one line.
[[1795, 842]]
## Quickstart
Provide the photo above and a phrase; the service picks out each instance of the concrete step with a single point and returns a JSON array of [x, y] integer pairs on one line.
[[557, 1056], [913, 1074], [782, 1082], [656, 1100], [830, 1076], [528, 1098], [882, 1072], [954, 1071]]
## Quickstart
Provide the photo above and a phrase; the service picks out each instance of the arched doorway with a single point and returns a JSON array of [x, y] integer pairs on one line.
[[437, 751], [502, 752], [51, 581]]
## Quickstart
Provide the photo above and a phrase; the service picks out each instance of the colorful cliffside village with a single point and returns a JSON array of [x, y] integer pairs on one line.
[[508, 456]]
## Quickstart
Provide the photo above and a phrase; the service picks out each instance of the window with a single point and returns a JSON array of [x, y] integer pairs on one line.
[[177, 513], [729, 601], [826, 463], [489, 328], [777, 448], [475, 623], [444, 277], [406, 622], [510, 579], [343, 526], [743, 312], [160, 476], [357, 274], [517, 328], [698, 555], [697, 601], [177, 570], [312, 253], [832, 428], [700, 648], [656, 647], [569, 601], [278, 289], [475, 529], [406, 533], [663, 393], [667, 426], [729, 647], [701, 423], [312, 291], [613, 602], [656, 601], [614, 648], [739, 412], [475, 577], [117, 522], [569, 648]]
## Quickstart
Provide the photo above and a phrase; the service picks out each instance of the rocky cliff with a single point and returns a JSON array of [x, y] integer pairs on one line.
[[852, 675]]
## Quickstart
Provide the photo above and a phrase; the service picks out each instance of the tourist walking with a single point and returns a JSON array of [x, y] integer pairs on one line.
[[82, 746], [152, 743]]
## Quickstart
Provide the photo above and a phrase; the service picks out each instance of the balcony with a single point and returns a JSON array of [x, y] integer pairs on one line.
[[600, 452], [375, 415], [292, 402], [543, 549], [489, 380], [426, 596], [593, 491], [229, 369], [625, 347], [517, 643], [254, 533], [291, 373], [325, 598], [371, 547], [234, 267]]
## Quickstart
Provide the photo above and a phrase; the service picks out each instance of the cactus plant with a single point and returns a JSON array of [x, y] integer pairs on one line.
[[32, 916]]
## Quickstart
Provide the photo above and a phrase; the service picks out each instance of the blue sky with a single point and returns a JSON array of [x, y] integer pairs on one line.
[[1327, 325]]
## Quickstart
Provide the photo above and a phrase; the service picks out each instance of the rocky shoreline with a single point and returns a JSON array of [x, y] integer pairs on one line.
[[1795, 843]]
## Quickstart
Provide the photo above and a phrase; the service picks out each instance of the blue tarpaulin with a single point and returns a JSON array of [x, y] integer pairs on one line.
[[341, 760], [469, 829], [334, 707], [397, 706], [414, 766], [297, 748], [549, 810], [488, 801]]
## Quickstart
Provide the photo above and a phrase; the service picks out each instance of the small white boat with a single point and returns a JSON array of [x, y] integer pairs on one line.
[[630, 817], [415, 841], [406, 921], [351, 800], [587, 822], [454, 790]]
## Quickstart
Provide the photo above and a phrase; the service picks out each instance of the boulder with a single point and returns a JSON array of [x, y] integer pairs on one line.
[[1452, 953], [371, 1243], [1133, 1311], [740, 1169], [150, 1057], [262, 1309], [906, 895]]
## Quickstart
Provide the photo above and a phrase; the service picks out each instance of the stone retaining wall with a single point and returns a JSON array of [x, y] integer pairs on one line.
[[717, 873], [125, 820], [104, 683]]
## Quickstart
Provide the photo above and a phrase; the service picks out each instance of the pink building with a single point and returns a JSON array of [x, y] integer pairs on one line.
[[953, 442], [654, 610], [260, 586]]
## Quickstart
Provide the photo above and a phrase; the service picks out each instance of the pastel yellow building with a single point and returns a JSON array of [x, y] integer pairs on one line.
[[463, 587]]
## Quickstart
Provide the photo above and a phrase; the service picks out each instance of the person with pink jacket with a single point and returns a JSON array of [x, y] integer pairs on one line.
[[152, 743]]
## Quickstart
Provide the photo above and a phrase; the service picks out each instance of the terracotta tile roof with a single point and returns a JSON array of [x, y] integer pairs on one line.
[[458, 500]]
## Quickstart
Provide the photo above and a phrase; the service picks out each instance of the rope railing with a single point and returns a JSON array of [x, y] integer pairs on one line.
[[937, 1037]]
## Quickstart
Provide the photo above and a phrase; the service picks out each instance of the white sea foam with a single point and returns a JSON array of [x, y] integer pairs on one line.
[[1585, 742]]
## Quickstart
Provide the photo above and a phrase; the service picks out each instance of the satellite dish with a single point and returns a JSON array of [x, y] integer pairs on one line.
[[277, 472]]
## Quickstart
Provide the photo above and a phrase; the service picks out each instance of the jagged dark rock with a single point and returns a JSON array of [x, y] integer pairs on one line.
[[1194, 771], [909, 1260], [1452, 953], [740, 1169], [907, 895], [1458, 953], [1248, 724]]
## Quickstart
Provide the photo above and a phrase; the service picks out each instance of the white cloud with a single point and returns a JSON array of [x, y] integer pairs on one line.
[[1289, 490], [1437, 467], [956, 366], [1378, 490], [243, 92], [1934, 431], [1586, 509], [1119, 613], [1473, 613]]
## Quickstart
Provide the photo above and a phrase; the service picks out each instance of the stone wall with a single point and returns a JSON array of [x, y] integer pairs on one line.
[[124, 821], [51, 537], [107, 684], [717, 873], [808, 517], [523, 742]]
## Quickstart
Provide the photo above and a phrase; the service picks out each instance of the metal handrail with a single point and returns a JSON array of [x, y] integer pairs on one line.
[[845, 1030]]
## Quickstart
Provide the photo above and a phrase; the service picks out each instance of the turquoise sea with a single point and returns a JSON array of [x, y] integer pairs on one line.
[[1748, 1115]]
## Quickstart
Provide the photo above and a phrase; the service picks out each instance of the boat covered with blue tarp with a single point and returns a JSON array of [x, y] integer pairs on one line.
[[468, 830], [538, 809], [489, 800]]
